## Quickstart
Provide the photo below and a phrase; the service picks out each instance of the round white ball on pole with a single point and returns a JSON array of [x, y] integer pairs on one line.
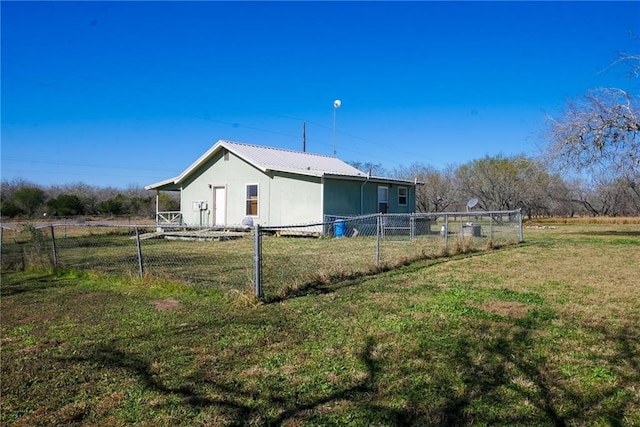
[[337, 103]]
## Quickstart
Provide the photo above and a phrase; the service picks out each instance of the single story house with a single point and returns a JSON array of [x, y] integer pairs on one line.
[[236, 183]]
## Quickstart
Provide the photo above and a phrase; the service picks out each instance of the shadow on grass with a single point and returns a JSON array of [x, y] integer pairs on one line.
[[485, 372], [35, 283], [508, 364], [493, 374], [619, 233], [624, 363], [335, 282], [233, 394]]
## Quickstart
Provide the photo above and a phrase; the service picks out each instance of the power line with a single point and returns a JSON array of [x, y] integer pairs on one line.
[[157, 107], [49, 162]]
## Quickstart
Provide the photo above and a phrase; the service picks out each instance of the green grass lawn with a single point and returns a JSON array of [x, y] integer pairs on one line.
[[542, 333]]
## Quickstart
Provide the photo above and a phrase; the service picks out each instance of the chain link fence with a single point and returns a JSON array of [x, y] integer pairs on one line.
[[271, 262]]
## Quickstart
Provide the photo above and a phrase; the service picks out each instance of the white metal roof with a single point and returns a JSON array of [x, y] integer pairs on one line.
[[277, 159], [274, 159]]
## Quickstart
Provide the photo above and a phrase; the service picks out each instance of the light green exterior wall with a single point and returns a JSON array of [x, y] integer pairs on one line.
[[283, 198], [233, 174], [295, 199]]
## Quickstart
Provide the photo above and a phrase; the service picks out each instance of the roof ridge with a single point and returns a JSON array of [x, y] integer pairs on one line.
[[278, 149]]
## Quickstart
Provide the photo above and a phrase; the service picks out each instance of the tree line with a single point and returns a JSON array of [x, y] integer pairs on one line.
[[590, 166], [497, 182], [23, 199], [517, 182]]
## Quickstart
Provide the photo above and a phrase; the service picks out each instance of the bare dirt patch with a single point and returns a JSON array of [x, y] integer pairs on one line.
[[512, 309], [167, 304]]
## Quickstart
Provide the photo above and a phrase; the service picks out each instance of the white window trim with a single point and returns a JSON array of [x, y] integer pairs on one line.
[[406, 196], [387, 194], [257, 215]]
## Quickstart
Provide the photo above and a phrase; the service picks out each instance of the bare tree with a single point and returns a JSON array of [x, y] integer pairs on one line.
[[599, 131], [439, 191], [374, 169], [630, 61], [505, 183], [561, 202], [598, 136]]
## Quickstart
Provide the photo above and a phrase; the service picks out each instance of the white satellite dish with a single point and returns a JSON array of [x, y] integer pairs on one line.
[[337, 103], [472, 203]]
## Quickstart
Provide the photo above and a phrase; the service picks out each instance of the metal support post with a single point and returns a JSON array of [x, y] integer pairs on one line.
[[521, 232], [139, 247], [446, 232], [412, 226], [490, 227], [257, 261], [378, 236], [53, 248]]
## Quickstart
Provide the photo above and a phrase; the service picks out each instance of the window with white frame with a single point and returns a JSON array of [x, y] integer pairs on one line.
[[383, 199], [252, 200], [402, 196]]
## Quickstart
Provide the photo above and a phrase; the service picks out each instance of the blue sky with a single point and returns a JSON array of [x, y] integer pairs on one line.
[[130, 93]]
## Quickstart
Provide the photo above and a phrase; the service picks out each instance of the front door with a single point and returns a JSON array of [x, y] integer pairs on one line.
[[219, 205]]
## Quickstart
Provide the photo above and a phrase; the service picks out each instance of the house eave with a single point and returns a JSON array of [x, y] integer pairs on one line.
[[166, 185], [376, 179]]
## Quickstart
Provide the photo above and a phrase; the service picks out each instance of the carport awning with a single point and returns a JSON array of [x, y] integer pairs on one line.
[[166, 185]]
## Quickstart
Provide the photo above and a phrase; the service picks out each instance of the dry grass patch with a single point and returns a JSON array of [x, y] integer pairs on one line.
[[108, 403], [167, 304], [511, 309], [254, 371], [599, 220]]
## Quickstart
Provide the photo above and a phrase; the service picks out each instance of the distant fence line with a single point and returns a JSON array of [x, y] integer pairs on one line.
[[270, 261]]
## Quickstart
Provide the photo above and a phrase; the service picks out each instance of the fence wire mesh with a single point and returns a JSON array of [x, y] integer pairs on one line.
[[194, 256], [306, 257], [274, 262]]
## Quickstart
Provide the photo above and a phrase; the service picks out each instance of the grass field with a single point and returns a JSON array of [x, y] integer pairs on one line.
[[542, 333]]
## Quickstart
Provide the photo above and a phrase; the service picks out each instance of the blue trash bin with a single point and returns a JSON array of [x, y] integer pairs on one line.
[[339, 228]]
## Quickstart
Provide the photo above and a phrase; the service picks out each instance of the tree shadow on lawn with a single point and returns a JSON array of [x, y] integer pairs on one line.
[[494, 373], [34, 283], [510, 363], [623, 363], [288, 407], [335, 282], [621, 233]]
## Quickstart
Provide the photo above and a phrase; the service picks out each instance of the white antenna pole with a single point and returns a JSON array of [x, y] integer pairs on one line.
[[304, 137], [336, 105]]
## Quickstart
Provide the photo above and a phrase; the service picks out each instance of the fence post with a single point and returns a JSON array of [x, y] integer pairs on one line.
[[257, 261], [446, 232], [378, 232], [491, 226], [520, 231], [412, 226], [140, 263], [53, 248]]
